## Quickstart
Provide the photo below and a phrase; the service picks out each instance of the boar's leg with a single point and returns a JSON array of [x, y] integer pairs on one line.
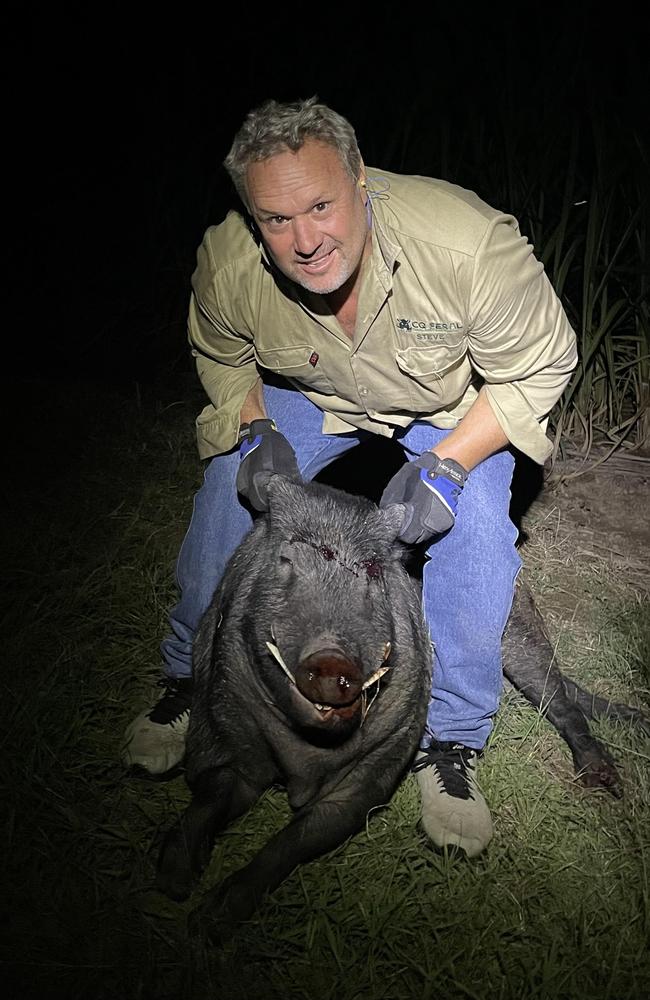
[[528, 662], [219, 795], [318, 828], [595, 707]]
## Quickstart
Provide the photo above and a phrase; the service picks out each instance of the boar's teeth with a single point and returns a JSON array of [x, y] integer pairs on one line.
[[375, 677], [277, 655], [387, 648], [322, 708]]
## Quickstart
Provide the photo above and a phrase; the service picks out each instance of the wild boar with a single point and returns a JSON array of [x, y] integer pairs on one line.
[[312, 670]]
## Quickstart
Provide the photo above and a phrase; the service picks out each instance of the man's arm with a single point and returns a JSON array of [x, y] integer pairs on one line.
[[520, 340], [477, 436], [253, 407]]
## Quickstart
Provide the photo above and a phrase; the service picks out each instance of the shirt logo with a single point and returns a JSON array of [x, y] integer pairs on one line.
[[415, 325]]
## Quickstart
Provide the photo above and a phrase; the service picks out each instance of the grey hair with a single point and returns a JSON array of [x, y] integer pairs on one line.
[[273, 128]]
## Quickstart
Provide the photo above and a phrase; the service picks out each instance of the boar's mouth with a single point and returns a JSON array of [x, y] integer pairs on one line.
[[332, 684]]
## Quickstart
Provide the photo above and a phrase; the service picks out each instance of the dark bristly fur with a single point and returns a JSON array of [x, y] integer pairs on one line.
[[321, 578]]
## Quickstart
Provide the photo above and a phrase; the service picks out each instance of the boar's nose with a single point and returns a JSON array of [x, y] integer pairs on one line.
[[329, 677]]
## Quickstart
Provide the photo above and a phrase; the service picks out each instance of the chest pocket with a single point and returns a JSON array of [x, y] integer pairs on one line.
[[296, 362], [442, 369]]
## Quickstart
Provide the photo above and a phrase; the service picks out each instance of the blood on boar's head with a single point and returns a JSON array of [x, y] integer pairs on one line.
[[323, 624]]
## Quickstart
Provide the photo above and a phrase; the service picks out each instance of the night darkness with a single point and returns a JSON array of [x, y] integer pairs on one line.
[[118, 120], [120, 127]]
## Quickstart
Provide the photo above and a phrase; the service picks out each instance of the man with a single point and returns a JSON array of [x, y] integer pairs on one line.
[[343, 302]]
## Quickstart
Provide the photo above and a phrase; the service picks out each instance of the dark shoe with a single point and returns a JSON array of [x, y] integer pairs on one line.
[[155, 741], [454, 812]]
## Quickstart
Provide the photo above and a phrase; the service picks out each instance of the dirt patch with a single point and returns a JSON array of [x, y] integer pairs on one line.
[[604, 511]]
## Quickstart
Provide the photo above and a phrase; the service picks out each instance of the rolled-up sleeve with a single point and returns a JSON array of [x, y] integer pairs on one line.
[[520, 339], [224, 357]]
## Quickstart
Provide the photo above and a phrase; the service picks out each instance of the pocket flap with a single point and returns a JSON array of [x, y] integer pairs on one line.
[[283, 359], [423, 361]]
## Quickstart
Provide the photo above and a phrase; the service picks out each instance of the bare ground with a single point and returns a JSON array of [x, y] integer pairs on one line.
[[602, 507]]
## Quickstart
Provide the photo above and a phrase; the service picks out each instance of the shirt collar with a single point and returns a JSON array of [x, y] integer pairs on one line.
[[385, 252]]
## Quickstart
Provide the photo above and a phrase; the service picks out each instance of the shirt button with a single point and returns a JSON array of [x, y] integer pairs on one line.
[[363, 391]]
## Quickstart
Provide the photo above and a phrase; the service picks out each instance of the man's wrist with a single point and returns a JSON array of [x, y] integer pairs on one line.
[[453, 470], [253, 428], [447, 467]]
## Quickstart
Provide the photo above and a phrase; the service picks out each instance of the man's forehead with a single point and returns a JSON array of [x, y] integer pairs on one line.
[[315, 166]]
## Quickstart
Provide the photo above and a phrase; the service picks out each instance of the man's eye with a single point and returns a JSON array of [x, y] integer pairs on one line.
[[322, 206], [277, 220]]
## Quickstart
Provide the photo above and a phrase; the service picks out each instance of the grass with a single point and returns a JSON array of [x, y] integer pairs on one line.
[[558, 907]]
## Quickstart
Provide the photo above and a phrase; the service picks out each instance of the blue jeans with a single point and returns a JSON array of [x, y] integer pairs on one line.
[[468, 577]]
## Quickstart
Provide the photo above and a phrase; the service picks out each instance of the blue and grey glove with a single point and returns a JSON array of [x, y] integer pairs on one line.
[[429, 488], [263, 451]]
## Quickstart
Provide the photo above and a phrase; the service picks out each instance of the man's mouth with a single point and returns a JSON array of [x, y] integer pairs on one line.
[[320, 264]]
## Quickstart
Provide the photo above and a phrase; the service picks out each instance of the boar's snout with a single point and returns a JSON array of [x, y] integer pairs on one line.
[[329, 677]]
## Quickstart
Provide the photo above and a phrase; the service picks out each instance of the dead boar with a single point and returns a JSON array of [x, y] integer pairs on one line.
[[312, 671]]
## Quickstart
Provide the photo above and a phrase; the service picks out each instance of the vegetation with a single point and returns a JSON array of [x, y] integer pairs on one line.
[[558, 907]]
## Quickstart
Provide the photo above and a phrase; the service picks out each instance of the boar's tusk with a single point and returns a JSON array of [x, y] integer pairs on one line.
[[277, 655], [378, 674], [366, 706]]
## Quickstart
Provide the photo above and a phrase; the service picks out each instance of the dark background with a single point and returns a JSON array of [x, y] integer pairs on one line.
[[119, 119]]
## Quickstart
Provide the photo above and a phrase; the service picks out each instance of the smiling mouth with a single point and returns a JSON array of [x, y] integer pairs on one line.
[[315, 264]]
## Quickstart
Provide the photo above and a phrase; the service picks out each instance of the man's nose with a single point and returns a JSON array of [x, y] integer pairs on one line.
[[306, 236]]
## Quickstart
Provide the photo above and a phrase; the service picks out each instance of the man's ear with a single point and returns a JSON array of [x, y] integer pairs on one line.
[[362, 175]]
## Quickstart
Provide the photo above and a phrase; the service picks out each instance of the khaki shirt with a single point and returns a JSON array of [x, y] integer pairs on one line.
[[451, 298]]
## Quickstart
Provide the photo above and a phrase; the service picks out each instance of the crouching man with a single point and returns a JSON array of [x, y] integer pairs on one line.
[[344, 301]]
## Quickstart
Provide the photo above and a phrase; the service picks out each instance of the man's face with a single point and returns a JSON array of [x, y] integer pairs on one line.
[[311, 215]]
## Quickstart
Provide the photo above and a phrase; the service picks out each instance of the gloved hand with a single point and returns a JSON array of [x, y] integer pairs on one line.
[[429, 488], [263, 451]]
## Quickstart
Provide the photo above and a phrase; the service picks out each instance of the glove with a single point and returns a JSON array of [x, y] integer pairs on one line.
[[429, 488], [263, 452]]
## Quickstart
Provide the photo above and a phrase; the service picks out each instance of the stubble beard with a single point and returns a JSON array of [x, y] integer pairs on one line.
[[327, 285], [345, 268]]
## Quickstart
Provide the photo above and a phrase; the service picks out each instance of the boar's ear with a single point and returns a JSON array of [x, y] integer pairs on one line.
[[284, 494], [391, 519]]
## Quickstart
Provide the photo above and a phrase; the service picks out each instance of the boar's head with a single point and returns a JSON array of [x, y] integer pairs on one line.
[[328, 602]]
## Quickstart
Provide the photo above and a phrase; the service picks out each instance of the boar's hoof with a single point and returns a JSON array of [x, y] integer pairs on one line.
[[175, 877], [594, 771], [329, 678]]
